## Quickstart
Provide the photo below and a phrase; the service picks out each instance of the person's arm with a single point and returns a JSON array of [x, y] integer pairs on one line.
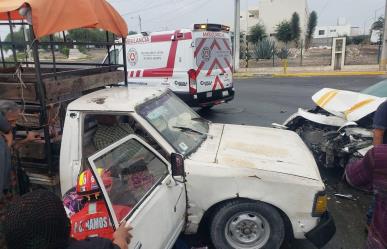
[[122, 236], [359, 173], [5, 127], [380, 123], [378, 136]]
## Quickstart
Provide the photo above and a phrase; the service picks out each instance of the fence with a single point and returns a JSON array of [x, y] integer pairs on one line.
[[319, 54]]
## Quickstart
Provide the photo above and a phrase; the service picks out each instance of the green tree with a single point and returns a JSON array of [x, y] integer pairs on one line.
[[90, 35], [378, 25], [257, 33], [284, 32], [312, 23], [295, 27], [18, 36]]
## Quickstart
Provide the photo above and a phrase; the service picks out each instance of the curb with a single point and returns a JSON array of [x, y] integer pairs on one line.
[[317, 74]]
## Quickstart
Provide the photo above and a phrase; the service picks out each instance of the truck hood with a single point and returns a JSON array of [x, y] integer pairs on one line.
[[258, 148], [351, 106]]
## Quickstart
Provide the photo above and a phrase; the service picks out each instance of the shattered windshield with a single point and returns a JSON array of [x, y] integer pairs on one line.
[[378, 90], [183, 128]]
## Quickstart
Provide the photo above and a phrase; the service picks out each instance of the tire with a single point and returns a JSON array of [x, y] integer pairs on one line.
[[262, 225]]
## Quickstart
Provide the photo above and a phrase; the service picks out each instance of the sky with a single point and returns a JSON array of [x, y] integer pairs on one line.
[[172, 14]]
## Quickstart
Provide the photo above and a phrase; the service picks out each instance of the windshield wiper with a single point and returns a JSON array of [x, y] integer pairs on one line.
[[183, 128], [201, 119]]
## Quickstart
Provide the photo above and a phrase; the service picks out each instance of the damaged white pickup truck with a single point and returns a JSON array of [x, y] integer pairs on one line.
[[339, 129], [178, 173]]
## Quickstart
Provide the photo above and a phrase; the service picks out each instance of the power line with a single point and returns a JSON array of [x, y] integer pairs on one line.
[[144, 9], [182, 11]]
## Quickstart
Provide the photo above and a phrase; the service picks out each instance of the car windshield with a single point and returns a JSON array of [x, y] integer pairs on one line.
[[183, 128], [378, 90]]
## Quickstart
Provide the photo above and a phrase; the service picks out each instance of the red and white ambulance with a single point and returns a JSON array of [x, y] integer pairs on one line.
[[196, 64]]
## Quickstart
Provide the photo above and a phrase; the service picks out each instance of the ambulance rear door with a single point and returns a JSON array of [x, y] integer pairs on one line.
[[212, 58]]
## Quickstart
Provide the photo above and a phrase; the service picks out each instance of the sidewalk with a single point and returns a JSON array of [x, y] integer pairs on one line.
[[315, 71]]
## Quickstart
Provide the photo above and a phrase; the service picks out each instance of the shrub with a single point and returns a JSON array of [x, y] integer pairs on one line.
[[283, 53], [264, 49]]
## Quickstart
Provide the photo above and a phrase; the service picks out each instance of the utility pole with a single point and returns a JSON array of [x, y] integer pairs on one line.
[[383, 61], [139, 23], [237, 29]]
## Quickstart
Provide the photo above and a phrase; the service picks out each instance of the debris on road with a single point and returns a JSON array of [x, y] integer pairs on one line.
[[346, 196]]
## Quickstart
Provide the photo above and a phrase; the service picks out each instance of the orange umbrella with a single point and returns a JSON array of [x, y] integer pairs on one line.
[[51, 16]]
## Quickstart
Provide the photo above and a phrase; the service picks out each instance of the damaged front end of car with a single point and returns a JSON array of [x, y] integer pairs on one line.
[[339, 129]]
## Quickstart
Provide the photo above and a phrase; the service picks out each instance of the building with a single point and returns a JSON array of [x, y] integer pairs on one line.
[[272, 12], [332, 31], [341, 29]]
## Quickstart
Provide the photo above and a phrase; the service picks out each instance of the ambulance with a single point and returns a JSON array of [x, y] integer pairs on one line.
[[196, 64]]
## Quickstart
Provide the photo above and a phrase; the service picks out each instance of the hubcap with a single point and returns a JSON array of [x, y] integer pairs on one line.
[[247, 230]]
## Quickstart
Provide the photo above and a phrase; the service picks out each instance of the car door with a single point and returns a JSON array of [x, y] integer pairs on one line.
[[142, 192]]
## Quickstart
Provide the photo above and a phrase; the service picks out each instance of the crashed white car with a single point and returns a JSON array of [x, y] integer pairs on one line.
[[251, 186], [339, 129]]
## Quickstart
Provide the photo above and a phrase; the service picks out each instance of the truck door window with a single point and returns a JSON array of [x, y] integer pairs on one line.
[[134, 170], [100, 131]]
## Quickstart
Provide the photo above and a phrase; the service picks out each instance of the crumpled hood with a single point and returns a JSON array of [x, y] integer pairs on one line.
[[260, 148], [349, 105]]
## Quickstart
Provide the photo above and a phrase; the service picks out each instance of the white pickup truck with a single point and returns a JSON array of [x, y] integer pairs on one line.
[[249, 186]]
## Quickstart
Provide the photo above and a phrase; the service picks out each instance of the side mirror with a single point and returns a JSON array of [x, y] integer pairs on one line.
[[177, 163]]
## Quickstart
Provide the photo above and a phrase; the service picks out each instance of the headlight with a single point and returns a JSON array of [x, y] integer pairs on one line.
[[320, 204]]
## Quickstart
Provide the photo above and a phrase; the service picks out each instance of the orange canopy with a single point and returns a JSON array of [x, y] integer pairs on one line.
[[51, 16]]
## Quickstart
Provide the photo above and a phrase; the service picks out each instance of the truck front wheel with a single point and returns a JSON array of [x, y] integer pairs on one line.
[[244, 224]]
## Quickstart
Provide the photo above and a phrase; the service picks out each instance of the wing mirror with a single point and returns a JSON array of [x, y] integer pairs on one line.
[[177, 163]]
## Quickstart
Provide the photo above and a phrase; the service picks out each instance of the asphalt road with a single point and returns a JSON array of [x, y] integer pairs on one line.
[[262, 101]]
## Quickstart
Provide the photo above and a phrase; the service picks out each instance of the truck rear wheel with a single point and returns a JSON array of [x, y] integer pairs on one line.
[[247, 225]]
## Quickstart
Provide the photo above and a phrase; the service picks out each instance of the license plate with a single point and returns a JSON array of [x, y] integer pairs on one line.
[[225, 93], [209, 94]]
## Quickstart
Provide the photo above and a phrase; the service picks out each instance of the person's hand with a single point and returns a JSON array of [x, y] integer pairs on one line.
[[122, 236], [32, 136]]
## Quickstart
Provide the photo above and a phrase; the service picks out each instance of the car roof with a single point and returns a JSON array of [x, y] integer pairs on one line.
[[120, 99]]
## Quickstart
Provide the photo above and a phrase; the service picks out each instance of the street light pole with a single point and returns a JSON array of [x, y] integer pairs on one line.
[[383, 61], [237, 29]]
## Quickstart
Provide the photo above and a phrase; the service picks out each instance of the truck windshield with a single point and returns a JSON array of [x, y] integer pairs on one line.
[[183, 128]]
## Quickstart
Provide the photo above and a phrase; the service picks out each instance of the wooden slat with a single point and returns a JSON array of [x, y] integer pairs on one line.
[[13, 91], [57, 90], [62, 89]]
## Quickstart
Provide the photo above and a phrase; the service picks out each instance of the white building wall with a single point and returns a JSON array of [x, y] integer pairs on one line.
[[332, 31], [272, 12]]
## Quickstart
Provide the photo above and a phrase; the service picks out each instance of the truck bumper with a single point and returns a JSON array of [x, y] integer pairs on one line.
[[323, 232], [207, 99]]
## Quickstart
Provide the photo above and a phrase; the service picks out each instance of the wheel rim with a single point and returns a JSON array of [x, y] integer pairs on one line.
[[247, 230]]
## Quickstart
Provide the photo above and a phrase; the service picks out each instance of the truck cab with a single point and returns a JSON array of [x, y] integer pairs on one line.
[[178, 173]]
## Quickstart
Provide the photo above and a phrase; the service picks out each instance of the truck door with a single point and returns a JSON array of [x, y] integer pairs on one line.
[[213, 60], [143, 192]]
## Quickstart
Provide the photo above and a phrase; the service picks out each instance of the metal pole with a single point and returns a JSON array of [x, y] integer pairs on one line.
[[41, 94], [302, 45], [12, 38], [2, 54], [383, 61], [237, 30], [53, 55], [124, 58], [139, 23]]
